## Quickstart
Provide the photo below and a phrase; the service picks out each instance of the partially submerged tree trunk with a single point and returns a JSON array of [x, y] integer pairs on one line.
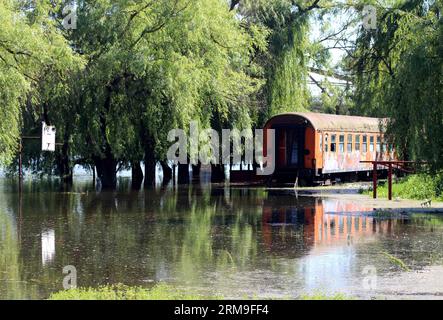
[[217, 173], [137, 175], [150, 164], [167, 172], [106, 163], [196, 172], [106, 171], [183, 174], [94, 178], [64, 166]]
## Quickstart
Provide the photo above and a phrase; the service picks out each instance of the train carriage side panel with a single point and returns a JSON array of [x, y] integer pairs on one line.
[[310, 154], [319, 147]]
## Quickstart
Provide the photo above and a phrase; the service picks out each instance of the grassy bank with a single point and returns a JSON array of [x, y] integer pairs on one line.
[[417, 186], [159, 292]]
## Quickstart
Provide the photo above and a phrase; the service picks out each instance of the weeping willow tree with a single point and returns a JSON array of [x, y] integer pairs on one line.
[[32, 50], [399, 74], [286, 61], [288, 76], [152, 67], [136, 70], [292, 51]]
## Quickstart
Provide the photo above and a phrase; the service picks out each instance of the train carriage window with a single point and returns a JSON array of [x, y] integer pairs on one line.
[[378, 144], [371, 144], [349, 145], [341, 145], [333, 143], [321, 142], [357, 142], [365, 144], [326, 143]]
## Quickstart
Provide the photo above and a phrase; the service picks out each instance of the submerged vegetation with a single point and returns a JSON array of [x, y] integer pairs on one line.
[[397, 261], [122, 292], [322, 296], [158, 292]]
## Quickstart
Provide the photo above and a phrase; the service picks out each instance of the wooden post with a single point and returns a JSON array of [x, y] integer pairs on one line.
[[374, 180], [390, 182]]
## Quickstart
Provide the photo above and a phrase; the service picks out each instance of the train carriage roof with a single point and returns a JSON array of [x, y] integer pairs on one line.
[[330, 122]]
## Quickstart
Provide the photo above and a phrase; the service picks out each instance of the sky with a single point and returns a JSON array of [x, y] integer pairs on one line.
[[331, 24]]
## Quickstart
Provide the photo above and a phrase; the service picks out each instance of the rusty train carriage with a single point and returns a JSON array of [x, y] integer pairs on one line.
[[315, 146]]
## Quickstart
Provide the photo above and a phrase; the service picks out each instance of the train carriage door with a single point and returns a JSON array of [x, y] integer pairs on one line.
[[281, 152], [295, 146], [291, 144], [309, 148]]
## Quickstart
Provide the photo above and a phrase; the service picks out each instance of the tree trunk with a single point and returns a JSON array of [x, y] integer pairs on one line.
[[63, 164], [94, 179], [167, 172], [183, 174], [217, 173], [106, 171], [137, 175], [196, 172], [150, 164], [107, 164]]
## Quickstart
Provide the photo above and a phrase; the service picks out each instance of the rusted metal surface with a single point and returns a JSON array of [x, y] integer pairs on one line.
[[356, 141], [355, 160], [322, 121]]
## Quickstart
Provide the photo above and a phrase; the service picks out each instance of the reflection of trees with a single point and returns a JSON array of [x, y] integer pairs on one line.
[[12, 284], [134, 237], [186, 236]]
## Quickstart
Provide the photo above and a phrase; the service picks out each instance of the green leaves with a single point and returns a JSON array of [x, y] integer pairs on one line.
[[399, 75], [157, 65], [32, 49]]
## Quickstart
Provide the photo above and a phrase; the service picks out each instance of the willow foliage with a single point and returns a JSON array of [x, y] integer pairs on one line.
[[399, 74], [289, 52], [31, 49], [157, 66]]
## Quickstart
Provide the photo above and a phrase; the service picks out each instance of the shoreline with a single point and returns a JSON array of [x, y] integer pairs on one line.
[[352, 193]]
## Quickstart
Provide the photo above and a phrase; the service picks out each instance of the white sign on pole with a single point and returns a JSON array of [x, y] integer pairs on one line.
[[48, 138]]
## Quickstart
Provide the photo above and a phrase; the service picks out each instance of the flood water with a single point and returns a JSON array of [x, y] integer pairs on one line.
[[229, 242]]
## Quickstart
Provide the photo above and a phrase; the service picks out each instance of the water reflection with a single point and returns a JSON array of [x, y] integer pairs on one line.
[[325, 221], [233, 242], [48, 246]]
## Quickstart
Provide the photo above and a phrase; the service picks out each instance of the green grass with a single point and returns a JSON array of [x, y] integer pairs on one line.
[[417, 186], [122, 292], [427, 220], [159, 292], [322, 296]]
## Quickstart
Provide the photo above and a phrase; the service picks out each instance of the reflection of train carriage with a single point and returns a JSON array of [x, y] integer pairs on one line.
[[315, 146], [320, 222]]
